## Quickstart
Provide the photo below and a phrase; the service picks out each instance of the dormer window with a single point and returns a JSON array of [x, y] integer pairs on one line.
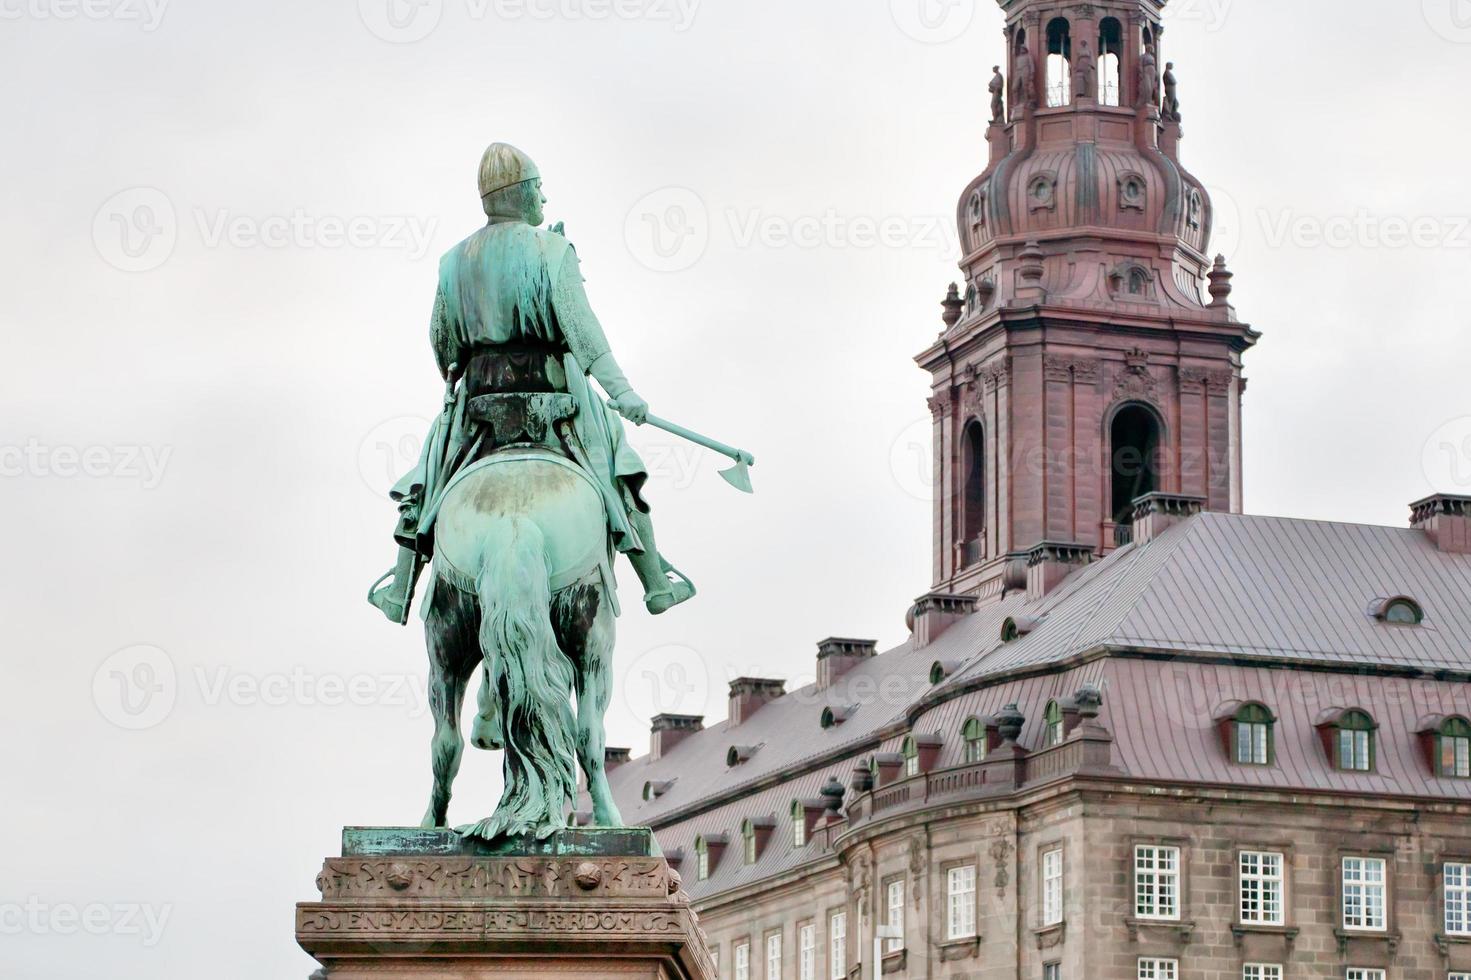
[[799, 824], [911, 757], [974, 735], [1403, 612], [1453, 748], [1053, 733], [748, 842], [1353, 742], [1251, 741]]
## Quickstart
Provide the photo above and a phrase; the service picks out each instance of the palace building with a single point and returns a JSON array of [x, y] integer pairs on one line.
[[1134, 732]]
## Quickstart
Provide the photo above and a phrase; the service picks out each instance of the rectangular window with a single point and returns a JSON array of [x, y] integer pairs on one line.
[[896, 914], [1458, 899], [1261, 887], [1156, 882], [799, 827], [1455, 756], [911, 765], [1051, 971], [1353, 750], [1156, 969], [1363, 893], [748, 846], [975, 750], [960, 922], [1458, 976], [773, 956], [837, 951], [807, 951], [1261, 971], [1251, 743], [702, 864], [1359, 973], [1052, 887], [742, 962]]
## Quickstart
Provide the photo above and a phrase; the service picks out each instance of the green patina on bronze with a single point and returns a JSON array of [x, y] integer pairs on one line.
[[572, 842], [525, 492]]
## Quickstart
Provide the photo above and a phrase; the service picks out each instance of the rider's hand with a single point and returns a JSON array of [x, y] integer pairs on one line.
[[632, 407]]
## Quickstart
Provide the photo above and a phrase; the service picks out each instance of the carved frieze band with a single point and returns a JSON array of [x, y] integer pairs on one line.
[[355, 878], [1195, 380], [1083, 370], [429, 922]]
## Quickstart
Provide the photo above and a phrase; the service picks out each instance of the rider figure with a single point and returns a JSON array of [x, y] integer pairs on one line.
[[511, 315]]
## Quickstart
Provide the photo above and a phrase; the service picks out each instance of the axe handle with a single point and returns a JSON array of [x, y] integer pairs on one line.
[[739, 455]]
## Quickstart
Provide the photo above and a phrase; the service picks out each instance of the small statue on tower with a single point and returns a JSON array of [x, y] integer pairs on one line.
[[1082, 73], [996, 88], [1148, 77], [1023, 88], [1172, 98]]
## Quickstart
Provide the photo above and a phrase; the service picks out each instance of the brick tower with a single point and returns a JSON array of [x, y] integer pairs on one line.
[[1091, 356]]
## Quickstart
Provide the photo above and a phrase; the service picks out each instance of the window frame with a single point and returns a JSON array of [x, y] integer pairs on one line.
[[1343, 892], [837, 944], [910, 750], [799, 824], [749, 851], [739, 970], [807, 950], [1454, 732], [968, 927], [1243, 876], [1054, 727], [1250, 718], [890, 907], [702, 859], [1178, 874], [1052, 911], [1356, 722], [1463, 889], [1262, 971], [1364, 973], [772, 942], [973, 737], [1161, 967]]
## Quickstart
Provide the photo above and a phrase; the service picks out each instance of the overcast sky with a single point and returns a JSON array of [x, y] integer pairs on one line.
[[221, 229]]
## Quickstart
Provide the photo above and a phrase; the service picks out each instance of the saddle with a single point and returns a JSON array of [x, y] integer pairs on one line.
[[519, 390]]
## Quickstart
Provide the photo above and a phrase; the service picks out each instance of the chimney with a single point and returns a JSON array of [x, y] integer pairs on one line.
[[935, 612], [1446, 520], [613, 758], [667, 731], [836, 656], [1050, 562], [748, 694], [1155, 512]]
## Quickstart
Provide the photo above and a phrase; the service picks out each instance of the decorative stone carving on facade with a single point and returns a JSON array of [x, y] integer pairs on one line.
[[1042, 192], [918, 861], [1135, 381], [1197, 380], [940, 403], [343, 878], [1131, 191], [1196, 207], [1000, 854], [996, 374], [1059, 367]]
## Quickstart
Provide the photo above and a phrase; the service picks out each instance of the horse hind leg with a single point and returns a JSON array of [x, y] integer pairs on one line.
[[451, 633], [586, 625], [531, 679]]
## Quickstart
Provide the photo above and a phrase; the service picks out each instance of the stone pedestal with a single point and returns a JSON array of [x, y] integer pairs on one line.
[[429, 905]]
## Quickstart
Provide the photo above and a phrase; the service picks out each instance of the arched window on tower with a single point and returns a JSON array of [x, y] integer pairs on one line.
[[1134, 442], [1059, 63], [973, 503], [1110, 58]]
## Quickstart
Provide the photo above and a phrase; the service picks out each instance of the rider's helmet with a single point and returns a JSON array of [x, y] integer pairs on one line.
[[503, 166]]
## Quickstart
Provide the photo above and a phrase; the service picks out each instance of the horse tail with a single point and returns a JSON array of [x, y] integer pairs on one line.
[[531, 679]]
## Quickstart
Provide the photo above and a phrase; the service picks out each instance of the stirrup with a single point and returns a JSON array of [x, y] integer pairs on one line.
[[384, 597], [679, 590]]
